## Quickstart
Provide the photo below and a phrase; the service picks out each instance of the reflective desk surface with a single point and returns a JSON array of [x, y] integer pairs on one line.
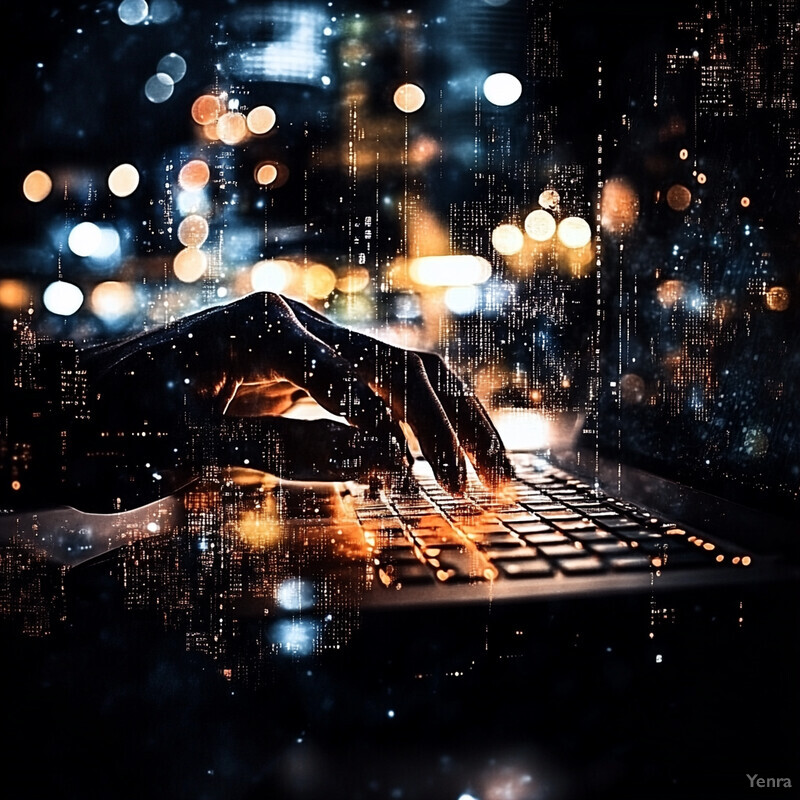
[[224, 646]]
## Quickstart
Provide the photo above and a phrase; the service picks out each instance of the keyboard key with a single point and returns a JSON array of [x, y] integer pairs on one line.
[[579, 566], [526, 568], [550, 538], [593, 536], [561, 514], [395, 575], [562, 551], [572, 525], [614, 522], [510, 553], [629, 561], [611, 548], [530, 527], [493, 540]]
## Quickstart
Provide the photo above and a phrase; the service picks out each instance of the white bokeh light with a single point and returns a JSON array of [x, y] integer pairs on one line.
[[85, 239], [132, 12], [62, 298], [502, 89]]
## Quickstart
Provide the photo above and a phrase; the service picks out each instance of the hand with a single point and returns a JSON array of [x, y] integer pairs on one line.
[[211, 387]]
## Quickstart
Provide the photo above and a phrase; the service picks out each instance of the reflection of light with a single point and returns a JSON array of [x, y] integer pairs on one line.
[[507, 239], [189, 264], [449, 270], [294, 51], [62, 298], [678, 197], [261, 119], [13, 294], [669, 292], [123, 180], [270, 276], [193, 231], [549, 199], [37, 186], [159, 87], [462, 299], [619, 205], [540, 225], [232, 127], [207, 109], [84, 239], [173, 65], [319, 281], [266, 174], [409, 98], [111, 300], [574, 232], [521, 428], [132, 12], [296, 636], [354, 280], [194, 175], [502, 89], [777, 298], [152, 527], [196, 202], [295, 594]]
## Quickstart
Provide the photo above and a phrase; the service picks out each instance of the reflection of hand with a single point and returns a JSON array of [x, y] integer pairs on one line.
[[219, 378]]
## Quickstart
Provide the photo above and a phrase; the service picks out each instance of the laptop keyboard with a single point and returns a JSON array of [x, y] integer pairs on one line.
[[546, 524]]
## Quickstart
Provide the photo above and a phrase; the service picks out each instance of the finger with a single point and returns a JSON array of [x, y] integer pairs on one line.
[[311, 450], [399, 376], [472, 423]]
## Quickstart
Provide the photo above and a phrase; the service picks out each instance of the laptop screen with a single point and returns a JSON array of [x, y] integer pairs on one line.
[[599, 234]]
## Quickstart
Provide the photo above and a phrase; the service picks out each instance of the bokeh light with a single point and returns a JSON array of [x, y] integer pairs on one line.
[[409, 98], [189, 264], [540, 225], [261, 120], [194, 175], [84, 239], [549, 199], [173, 65], [574, 232], [132, 12], [502, 89], [123, 180], [318, 281], [62, 298], [112, 300], [507, 239], [159, 87], [232, 127], [619, 206], [670, 292], [745, 202], [462, 299], [271, 275], [193, 231], [462, 270], [353, 280], [777, 298], [13, 293], [37, 186], [266, 174], [632, 388], [207, 108], [678, 197]]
